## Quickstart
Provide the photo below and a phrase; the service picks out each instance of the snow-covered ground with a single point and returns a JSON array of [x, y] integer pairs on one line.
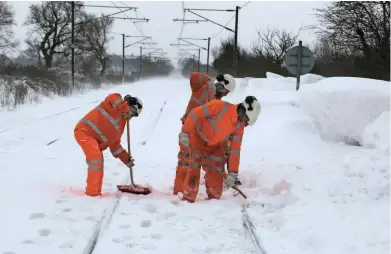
[[305, 194]]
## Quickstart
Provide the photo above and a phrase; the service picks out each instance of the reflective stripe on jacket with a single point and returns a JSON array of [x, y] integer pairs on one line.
[[202, 91], [215, 123], [106, 123]]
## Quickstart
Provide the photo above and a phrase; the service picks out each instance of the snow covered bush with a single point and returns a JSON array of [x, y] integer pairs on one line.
[[19, 85], [377, 134], [342, 107]]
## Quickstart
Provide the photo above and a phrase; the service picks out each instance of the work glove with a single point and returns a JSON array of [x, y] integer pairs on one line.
[[227, 147], [230, 179], [183, 119], [130, 163], [127, 116], [184, 139]]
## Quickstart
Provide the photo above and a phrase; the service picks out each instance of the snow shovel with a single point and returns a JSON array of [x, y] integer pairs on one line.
[[132, 188]]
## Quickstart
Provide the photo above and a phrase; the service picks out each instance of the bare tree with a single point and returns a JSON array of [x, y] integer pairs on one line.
[[51, 30], [33, 52], [93, 38], [274, 43], [360, 29], [7, 21]]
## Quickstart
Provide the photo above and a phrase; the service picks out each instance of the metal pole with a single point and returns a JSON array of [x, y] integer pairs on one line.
[[123, 58], [207, 57], [141, 61], [73, 44], [298, 71], [199, 62], [235, 57]]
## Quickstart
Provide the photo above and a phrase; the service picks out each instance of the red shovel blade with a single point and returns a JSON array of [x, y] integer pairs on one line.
[[134, 189]]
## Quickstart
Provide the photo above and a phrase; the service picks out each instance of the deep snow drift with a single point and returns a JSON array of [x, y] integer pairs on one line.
[[306, 194]]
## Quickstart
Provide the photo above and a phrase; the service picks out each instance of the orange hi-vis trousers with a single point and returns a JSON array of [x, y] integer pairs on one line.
[[94, 159], [182, 167], [213, 160]]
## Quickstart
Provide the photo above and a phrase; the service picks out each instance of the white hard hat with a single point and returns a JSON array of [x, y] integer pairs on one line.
[[139, 105], [253, 109], [228, 81], [135, 103]]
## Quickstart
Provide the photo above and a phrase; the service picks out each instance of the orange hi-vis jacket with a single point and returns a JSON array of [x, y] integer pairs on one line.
[[106, 124], [201, 92], [216, 122]]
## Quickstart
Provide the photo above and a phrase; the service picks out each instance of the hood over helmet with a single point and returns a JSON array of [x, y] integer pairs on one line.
[[198, 80]]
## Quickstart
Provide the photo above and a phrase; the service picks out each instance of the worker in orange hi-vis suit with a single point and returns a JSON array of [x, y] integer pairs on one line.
[[102, 128], [203, 91], [204, 132]]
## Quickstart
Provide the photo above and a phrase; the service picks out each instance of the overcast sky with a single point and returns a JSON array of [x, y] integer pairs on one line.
[[289, 15]]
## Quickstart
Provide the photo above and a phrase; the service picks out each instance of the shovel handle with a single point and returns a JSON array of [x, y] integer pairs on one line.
[[240, 191], [129, 152]]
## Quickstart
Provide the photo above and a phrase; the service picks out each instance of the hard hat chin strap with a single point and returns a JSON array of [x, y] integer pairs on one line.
[[221, 88], [133, 111], [241, 110]]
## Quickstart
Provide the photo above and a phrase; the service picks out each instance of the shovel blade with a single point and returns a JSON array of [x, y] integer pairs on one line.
[[134, 189]]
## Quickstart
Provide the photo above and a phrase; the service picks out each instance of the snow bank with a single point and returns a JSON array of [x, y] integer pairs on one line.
[[273, 75], [241, 84], [343, 107], [310, 78], [377, 134], [277, 82]]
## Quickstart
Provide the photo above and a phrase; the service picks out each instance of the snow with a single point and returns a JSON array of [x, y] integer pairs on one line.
[[343, 107], [305, 193], [377, 134]]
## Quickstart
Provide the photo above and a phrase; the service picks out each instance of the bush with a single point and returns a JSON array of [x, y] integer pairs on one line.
[[19, 85]]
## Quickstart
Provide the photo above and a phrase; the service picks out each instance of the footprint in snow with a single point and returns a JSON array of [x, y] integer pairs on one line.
[[117, 240], [149, 247], [129, 245], [44, 232], [125, 226], [35, 216], [9, 252], [66, 210], [28, 242], [170, 214], [59, 201], [91, 218], [151, 208], [146, 223], [122, 239], [65, 246], [156, 236]]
